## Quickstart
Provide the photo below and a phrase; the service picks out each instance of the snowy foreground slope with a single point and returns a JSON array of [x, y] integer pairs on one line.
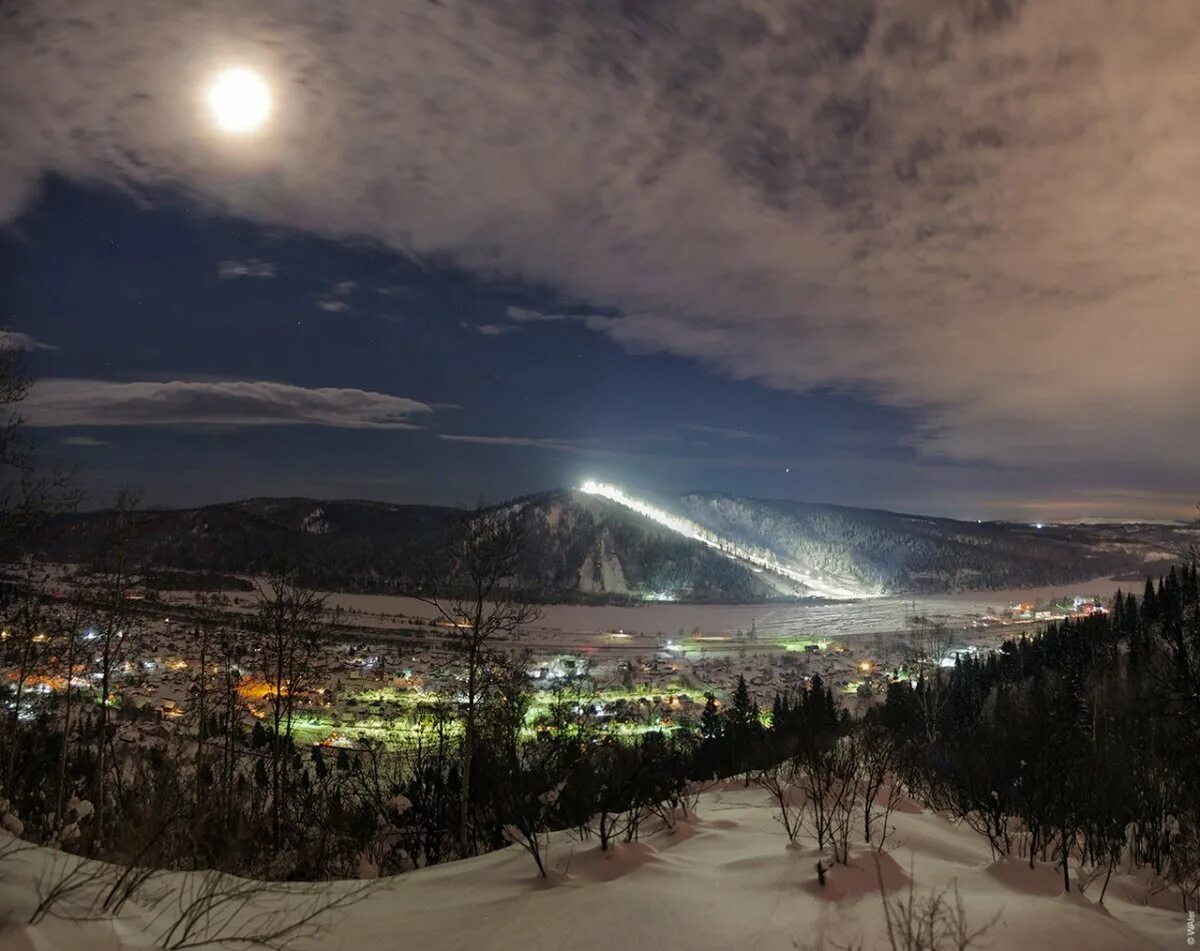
[[725, 879]]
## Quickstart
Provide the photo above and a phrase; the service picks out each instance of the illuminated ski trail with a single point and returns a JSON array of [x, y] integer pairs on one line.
[[758, 557]]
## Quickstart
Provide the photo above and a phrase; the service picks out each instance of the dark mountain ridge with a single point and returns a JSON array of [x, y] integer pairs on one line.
[[579, 546]]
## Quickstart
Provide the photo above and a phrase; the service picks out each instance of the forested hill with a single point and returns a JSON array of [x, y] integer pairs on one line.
[[899, 553], [577, 546]]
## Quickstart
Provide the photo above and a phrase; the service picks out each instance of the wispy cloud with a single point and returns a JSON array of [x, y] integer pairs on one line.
[[334, 300], [77, 402], [14, 340], [492, 330], [646, 445], [721, 432], [583, 446], [252, 267], [523, 315], [658, 437]]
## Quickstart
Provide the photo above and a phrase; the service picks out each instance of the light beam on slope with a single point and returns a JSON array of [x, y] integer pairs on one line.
[[758, 557]]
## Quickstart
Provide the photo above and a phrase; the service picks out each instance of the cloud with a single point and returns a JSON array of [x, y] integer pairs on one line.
[[493, 330], [722, 432], [85, 441], [528, 442], [14, 340], [523, 315], [595, 448], [624, 445], [253, 267], [333, 299], [981, 212], [658, 437], [77, 402]]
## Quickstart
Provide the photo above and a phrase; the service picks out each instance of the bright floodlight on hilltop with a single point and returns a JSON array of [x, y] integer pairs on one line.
[[240, 101]]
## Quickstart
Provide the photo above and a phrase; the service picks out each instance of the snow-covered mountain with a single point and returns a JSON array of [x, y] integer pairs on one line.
[[622, 544]]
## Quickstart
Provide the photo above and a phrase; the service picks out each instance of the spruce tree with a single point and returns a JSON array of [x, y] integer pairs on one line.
[[710, 719], [741, 711], [1149, 604]]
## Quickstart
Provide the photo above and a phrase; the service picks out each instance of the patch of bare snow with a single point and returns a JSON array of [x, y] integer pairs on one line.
[[726, 879]]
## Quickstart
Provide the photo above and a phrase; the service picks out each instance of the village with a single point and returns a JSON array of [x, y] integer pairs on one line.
[[386, 680]]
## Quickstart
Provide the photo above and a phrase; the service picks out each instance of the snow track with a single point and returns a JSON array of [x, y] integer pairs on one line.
[[759, 559]]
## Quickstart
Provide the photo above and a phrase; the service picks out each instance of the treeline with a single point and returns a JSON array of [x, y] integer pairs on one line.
[[1077, 745]]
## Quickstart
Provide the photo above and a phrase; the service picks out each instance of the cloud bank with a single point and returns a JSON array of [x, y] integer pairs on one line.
[[78, 403], [985, 211]]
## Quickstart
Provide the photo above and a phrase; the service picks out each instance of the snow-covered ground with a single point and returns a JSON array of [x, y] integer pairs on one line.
[[831, 619], [727, 878]]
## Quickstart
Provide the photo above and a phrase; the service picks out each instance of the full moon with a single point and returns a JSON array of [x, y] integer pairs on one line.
[[240, 101]]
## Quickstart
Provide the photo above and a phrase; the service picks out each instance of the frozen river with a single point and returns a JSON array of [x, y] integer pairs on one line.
[[838, 619]]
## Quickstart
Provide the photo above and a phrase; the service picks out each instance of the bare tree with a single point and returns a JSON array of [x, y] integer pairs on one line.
[[528, 774], [927, 643], [1188, 551], [68, 626], [27, 497], [230, 713], [209, 640], [290, 625], [203, 909], [925, 646], [933, 922], [111, 587], [1184, 869], [14, 448], [212, 909], [23, 655], [620, 783], [432, 759], [780, 780], [66, 888], [485, 610], [876, 752], [830, 778]]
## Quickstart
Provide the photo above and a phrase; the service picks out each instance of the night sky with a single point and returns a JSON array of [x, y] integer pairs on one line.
[[935, 257]]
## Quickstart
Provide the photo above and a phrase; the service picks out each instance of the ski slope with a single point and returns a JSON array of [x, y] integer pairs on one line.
[[759, 559]]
